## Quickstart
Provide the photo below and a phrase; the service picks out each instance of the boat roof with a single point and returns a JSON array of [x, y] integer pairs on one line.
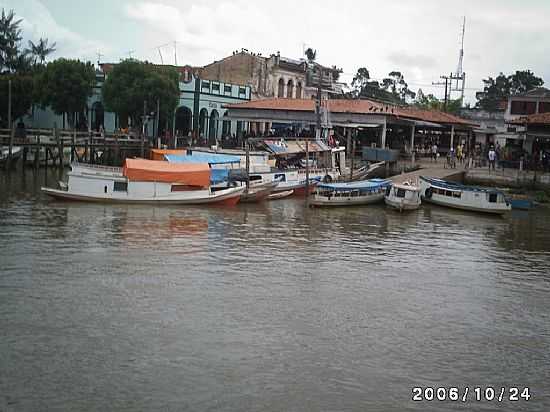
[[143, 170], [358, 185], [210, 158], [458, 186], [406, 187]]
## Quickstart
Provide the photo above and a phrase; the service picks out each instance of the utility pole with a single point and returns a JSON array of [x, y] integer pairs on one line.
[[175, 55], [9, 104], [143, 129]]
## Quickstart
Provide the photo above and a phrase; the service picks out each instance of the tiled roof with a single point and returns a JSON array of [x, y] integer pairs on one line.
[[361, 106], [539, 118]]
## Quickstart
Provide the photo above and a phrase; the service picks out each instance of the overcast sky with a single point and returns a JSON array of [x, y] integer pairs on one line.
[[420, 38]]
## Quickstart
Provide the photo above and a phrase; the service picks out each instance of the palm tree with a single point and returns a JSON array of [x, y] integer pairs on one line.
[[10, 36], [311, 54], [41, 50]]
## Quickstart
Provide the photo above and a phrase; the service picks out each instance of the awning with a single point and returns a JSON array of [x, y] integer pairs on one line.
[[143, 170], [210, 158]]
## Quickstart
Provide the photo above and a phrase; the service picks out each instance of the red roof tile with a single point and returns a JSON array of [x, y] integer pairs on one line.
[[361, 106]]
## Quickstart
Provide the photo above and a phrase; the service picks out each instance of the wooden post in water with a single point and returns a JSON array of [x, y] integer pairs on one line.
[[352, 158], [10, 149], [37, 153], [307, 167], [413, 154], [247, 165], [73, 145]]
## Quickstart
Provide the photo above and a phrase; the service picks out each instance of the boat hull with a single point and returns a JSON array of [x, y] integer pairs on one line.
[[227, 197], [258, 193], [280, 195], [322, 201], [401, 205], [466, 207]]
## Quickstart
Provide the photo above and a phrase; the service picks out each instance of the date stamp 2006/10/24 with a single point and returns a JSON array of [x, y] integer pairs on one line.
[[467, 393]]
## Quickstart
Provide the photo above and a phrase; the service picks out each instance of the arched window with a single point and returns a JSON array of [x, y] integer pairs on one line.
[[289, 89], [281, 92], [203, 123], [183, 120], [299, 90], [213, 129]]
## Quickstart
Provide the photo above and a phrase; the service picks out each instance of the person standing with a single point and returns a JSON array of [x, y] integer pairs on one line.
[[492, 155], [434, 152]]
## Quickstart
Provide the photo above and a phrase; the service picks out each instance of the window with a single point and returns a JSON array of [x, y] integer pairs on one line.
[[242, 90], [120, 187], [544, 107], [227, 89], [205, 85], [521, 107], [448, 193], [400, 193], [216, 87], [457, 194], [492, 197]]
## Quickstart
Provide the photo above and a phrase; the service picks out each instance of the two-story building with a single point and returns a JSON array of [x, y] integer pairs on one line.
[[531, 105], [274, 77], [200, 108]]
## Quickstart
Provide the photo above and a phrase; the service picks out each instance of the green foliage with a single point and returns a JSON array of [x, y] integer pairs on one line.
[[10, 37], [22, 93], [311, 54], [393, 89], [500, 88], [132, 82], [430, 102], [41, 50], [65, 85]]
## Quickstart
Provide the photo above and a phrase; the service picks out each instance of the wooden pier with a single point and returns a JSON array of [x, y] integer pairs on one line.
[[47, 146], [432, 169]]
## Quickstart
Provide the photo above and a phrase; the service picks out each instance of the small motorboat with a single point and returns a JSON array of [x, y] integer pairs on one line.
[[403, 196], [280, 195], [145, 181], [521, 203], [350, 194], [459, 196], [258, 192]]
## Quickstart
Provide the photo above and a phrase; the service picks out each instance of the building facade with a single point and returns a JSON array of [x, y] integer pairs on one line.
[[200, 109], [274, 76]]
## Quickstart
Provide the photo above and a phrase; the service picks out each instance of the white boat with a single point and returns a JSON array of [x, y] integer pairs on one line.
[[350, 194], [403, 196], [16, 152], [283, 161], [257, 192], [144, 181], [280, 195], [458, 196]]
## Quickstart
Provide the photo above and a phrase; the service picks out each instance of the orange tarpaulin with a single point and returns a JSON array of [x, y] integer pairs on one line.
[[191, 174], [158, 154]]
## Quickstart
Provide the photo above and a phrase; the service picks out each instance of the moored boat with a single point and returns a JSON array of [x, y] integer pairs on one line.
[[350, 194], [280, 195], [16, 152], [144, 181], [403, 196], [257, 192], [459, 196]]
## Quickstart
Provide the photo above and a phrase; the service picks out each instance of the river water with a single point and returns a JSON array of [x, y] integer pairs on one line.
[[268, 307]]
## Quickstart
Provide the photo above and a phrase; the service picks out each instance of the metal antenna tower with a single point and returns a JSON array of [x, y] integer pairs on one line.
[[460, 76]]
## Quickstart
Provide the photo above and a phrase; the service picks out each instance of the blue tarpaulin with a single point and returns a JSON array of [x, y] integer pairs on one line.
[[210, 158], [361, 185]]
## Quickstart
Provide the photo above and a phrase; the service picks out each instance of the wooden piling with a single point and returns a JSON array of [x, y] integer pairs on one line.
[[10, 149]]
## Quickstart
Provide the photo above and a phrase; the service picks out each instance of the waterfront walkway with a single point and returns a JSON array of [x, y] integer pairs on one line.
[[431, 169]]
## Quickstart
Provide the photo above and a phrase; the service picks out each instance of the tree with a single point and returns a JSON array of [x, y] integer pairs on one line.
[[10, 37], [396, 84], [311, 54], [41, 50], [132, 82], [360, 80], [500, 88], [22, 96], [430, 102], [65, 85]]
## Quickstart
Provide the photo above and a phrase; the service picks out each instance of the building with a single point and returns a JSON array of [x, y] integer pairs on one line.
[[274, 76], [373, 124], [200, 108]]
